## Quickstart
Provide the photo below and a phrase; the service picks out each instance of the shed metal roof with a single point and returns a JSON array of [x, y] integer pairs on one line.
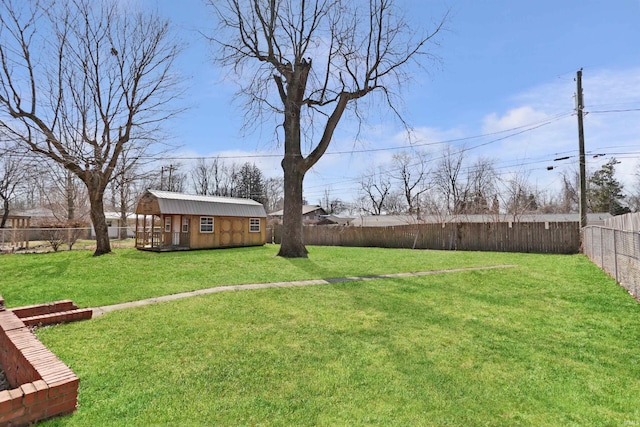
[[190, 204]]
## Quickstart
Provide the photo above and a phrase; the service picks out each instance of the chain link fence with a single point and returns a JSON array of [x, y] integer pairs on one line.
[[27, 240], [616, 252]]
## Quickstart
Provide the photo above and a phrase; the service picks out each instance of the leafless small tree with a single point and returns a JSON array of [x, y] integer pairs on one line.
[[375, 187], [410, 169], [482, 187], [395, 203], [80, 81], [63, 193], [12, 173], [519, 195], [274, 193], [308, 63], [126, 188], [206, 176], [570, 192], [449, 181]]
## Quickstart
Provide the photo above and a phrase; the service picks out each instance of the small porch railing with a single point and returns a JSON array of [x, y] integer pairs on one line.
[[159, 240]]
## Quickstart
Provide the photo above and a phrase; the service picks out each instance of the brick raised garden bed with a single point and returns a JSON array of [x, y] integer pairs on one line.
[[42, 386]]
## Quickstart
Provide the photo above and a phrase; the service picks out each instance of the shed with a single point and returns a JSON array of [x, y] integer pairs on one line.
[[167, 221]]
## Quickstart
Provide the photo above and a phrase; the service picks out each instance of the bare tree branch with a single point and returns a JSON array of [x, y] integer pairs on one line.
[[103, 83], [307, 63]]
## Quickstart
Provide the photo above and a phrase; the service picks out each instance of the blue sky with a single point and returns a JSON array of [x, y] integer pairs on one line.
[[505, 64]]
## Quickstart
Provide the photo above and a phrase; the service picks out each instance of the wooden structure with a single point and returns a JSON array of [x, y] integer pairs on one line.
[[16, 235], [168, 221], [535, 237]]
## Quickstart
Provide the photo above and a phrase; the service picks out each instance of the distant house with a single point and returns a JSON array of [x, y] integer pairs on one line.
[[335, 220], [168, 221], [114, 225], [310, 213]]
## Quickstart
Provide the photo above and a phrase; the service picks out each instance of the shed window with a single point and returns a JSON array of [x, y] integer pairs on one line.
[[206, 224], [167, 224], [185, 224], [254, 225]]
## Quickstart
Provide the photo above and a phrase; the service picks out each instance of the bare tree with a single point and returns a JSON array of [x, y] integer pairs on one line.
[[519, 195], [274, 194], [82, 80], [449, 182], [411, 171], [125, 188], [357, 47], [228, 183], [206, 176], [64, 194], [395, 203], [376, 187], [482, 187], [11, 175]]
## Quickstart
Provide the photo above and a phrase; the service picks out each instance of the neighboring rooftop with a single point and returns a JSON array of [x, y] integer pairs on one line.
[[306, 209], [390, 220]]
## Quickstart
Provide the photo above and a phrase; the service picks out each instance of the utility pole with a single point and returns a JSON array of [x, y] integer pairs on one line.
[[583, 165], [170, 185]]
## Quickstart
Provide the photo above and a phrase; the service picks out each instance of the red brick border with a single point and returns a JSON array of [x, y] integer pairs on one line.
[[44, 386], [50, 313]]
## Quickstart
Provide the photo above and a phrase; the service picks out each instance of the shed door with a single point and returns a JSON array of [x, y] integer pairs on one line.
[[232, 232], [175, 235]]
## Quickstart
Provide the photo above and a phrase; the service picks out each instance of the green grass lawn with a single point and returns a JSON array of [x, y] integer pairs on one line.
[[129, 274], [552, 341]]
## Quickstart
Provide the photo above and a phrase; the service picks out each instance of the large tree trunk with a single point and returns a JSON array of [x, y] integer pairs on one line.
[[292, 245], [293, 164], [103, 245]]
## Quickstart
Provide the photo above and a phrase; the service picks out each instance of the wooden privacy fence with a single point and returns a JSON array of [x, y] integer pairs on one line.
[[538, 237], [626, 222]]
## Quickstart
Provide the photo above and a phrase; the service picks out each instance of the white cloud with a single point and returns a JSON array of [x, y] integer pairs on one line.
[[515, 118]]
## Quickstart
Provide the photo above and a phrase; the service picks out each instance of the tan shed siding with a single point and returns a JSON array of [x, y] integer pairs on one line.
[[204, 240], [148, 205], [257, 238], [227, 232]]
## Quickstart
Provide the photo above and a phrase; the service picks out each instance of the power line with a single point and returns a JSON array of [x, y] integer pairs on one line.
[[614, 111]]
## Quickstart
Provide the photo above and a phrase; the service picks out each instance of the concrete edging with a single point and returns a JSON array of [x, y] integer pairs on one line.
[[98, 311]]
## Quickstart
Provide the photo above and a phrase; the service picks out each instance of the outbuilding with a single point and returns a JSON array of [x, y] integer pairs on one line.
[[168, 221]]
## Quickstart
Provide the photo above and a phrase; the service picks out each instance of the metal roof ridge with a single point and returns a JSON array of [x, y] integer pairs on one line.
[[173, 195]]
